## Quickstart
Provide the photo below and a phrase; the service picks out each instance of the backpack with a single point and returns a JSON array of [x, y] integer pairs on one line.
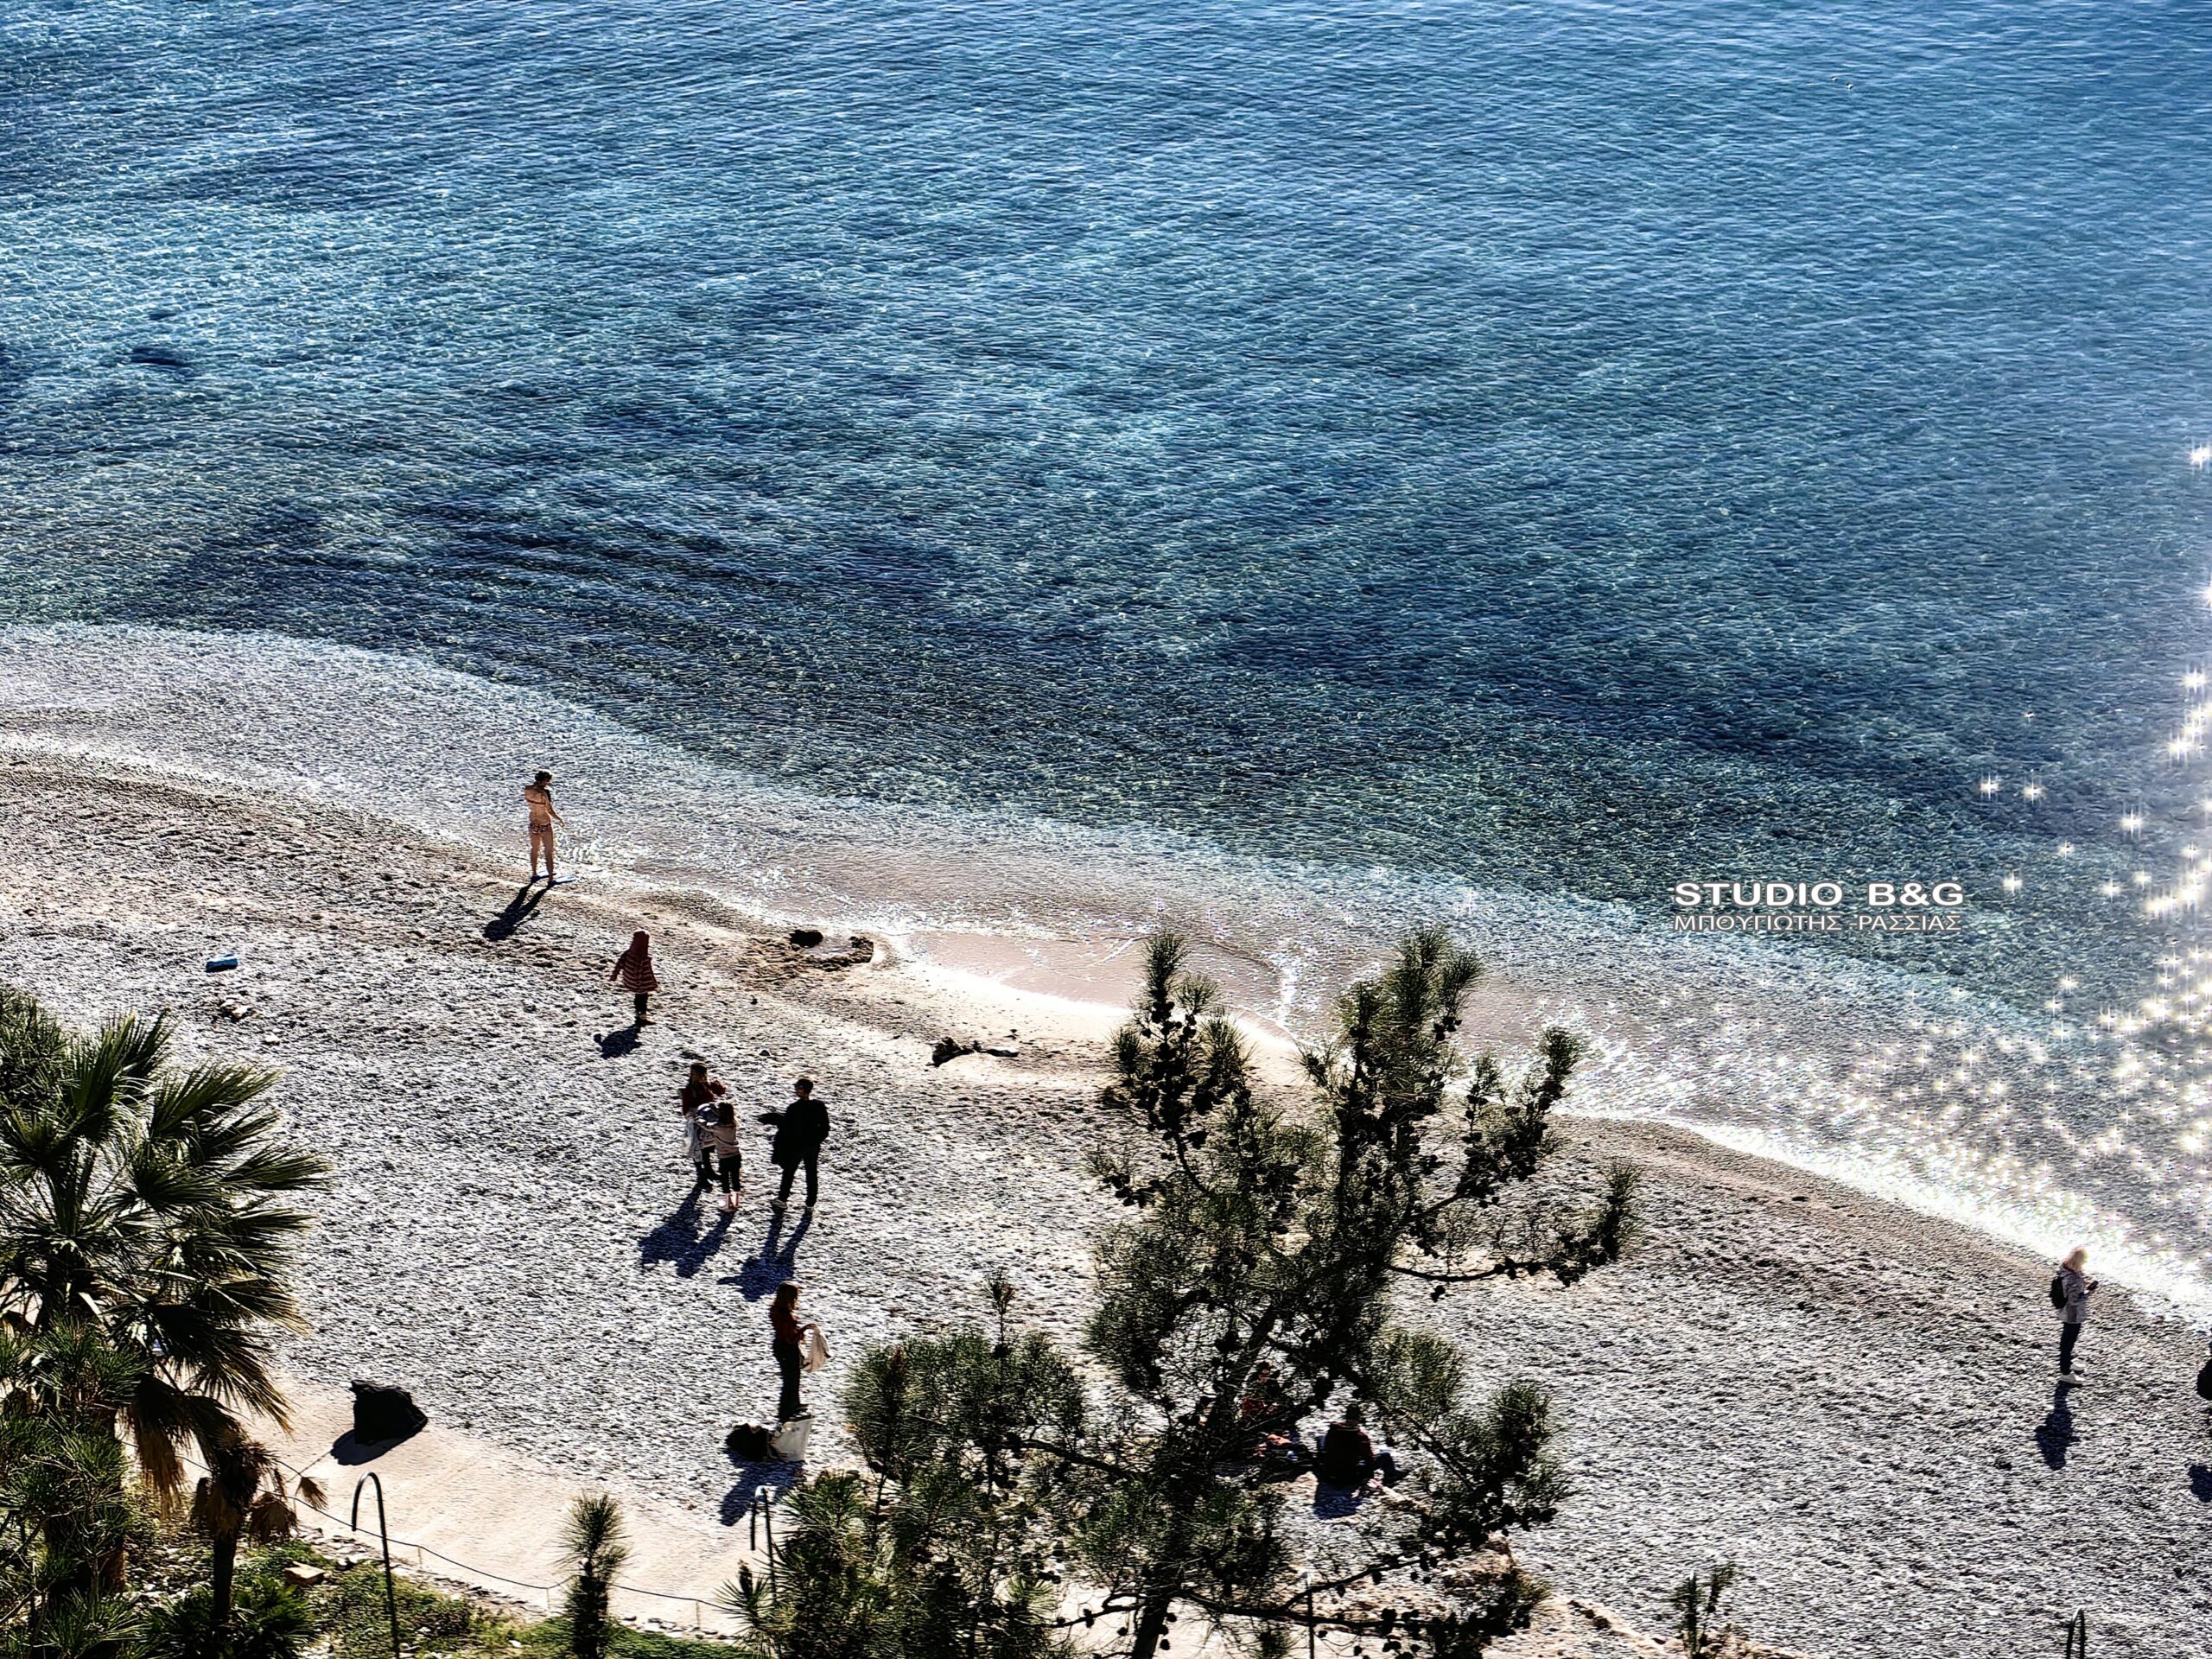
[[2058, 1291], [747, 1443], [382, 1413]]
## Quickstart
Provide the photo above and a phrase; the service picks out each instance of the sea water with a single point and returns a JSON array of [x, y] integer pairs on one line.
[[1295, 469]]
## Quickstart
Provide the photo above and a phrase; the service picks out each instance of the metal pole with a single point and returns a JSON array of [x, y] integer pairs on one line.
[[762, 1497], [1305, 1583], [384, 1533]]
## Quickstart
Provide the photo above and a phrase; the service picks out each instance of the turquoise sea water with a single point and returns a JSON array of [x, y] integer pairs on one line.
[[1552, 451]]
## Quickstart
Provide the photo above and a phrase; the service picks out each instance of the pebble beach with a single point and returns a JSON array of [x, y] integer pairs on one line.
[[1853, 1402]]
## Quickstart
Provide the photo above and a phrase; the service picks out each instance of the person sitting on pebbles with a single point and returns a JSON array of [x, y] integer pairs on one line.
[[1349, 1458]]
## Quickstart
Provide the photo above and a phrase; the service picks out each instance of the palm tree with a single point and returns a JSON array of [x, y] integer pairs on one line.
[[245, 1496], [596, 1545], [156, 1205]]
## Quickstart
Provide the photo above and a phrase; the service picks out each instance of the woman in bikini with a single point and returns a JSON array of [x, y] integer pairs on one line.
[[537, 796]]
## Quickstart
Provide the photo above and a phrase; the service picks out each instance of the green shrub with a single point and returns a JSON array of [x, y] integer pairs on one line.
[[268, 1620], [350, 1609]]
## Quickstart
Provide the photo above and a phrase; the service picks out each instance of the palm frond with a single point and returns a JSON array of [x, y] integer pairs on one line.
[[200, 1100], [108, 1075]]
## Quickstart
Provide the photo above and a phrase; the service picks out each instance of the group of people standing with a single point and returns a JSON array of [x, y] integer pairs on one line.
[[802, 1127], [711, 1142], [711, 1139]]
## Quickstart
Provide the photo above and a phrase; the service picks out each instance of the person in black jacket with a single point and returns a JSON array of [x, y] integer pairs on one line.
[[1349, 1458], [801, 1127]]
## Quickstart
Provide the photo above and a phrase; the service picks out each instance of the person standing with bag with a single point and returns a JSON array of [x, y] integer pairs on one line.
[[2071, 1290], [789, 1345], [801, 1128], [699, 1093]]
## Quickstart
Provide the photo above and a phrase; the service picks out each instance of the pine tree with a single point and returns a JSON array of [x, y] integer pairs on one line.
[[1264, 1237], [945, 1548], [1258, 1280], [66, 1505]]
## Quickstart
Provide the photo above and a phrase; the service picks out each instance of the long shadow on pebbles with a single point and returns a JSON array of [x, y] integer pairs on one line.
[[2056, 1432], [761, 1273], [519, 908], [679, 1239]]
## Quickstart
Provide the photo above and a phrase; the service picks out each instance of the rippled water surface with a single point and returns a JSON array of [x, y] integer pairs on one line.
[[1543, 451]]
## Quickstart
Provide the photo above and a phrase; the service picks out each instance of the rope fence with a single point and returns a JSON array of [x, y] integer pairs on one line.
[[2077, 1628]]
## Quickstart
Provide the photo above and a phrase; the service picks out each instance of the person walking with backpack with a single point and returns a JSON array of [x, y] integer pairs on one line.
[[633, 972], [2070, 1289], [801, 1128]]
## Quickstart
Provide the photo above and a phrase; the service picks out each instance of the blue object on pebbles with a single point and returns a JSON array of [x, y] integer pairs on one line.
[[221, 964]]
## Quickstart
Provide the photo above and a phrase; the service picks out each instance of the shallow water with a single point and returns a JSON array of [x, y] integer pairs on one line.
[[1493, 462], [1899, 1082]]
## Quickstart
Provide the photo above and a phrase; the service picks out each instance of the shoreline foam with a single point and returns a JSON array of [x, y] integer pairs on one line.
[[1772, 1048]]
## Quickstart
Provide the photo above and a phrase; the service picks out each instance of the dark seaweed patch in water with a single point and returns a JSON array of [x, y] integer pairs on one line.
[[168, 358]]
